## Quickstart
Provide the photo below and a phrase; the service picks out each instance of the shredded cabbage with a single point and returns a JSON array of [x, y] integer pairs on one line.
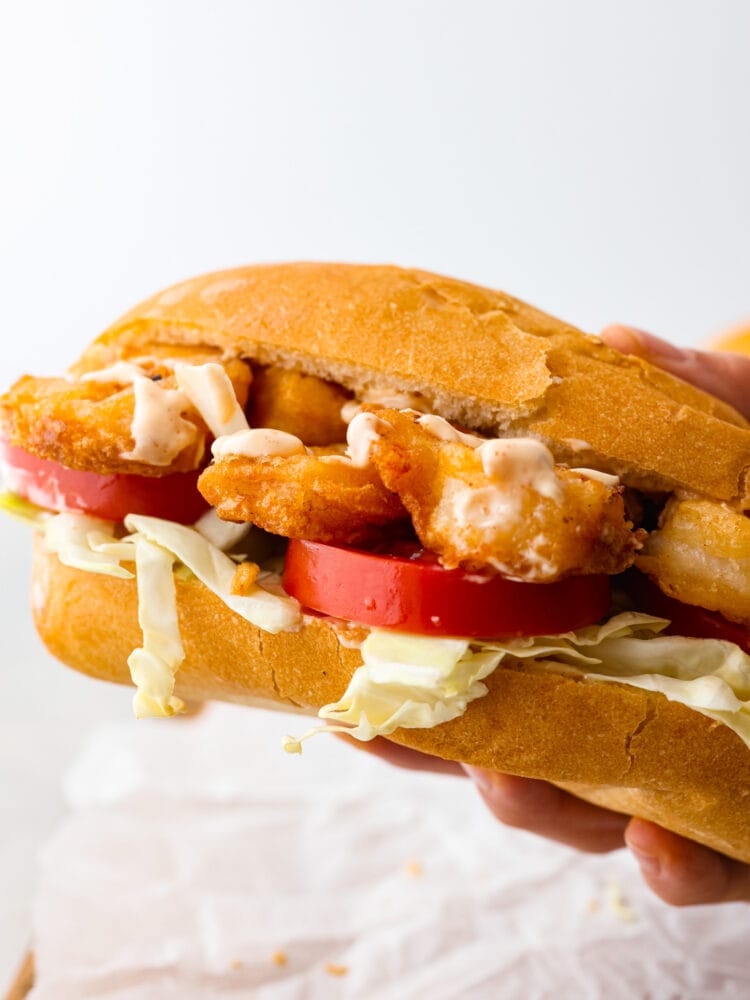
[[711, 676], [215, 570], [67, 535], [153, 666], [413, 682], [155, 545], [225, 535], [78, 540], [408, 681]]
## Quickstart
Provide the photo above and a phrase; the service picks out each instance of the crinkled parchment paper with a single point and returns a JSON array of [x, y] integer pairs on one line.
[[199, 860]]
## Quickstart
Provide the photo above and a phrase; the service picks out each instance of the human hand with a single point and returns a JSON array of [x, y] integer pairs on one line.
[[723, 374], [678, 870]]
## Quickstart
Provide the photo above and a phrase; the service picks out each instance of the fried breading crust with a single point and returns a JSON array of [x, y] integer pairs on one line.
[[320, 497], [86, 425], [700, 554], [324, 497], [303, 405], [472, 520]]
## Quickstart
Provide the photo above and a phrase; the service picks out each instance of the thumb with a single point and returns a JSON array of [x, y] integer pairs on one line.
[[725, 375]]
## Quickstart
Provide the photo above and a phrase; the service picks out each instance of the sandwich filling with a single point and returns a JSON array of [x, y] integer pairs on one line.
[[297, 457]]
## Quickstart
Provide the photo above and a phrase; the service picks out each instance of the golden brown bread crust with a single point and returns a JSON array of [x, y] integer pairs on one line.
[[622, 747], [478, 356]]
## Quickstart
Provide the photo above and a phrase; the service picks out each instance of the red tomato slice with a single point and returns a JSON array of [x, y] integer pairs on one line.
[[56, 487], [408, 590], [684, 619]]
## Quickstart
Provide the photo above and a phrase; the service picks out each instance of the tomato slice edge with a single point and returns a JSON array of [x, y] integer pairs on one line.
[[690, 620], [111, 497], [416, 594]]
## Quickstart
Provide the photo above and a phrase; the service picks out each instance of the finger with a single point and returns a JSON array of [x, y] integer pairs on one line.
[[682, 872], [541, 808], [723, 374], [400, 756]]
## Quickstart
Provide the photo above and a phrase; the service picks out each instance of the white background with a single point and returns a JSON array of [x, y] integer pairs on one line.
[[590, 156]]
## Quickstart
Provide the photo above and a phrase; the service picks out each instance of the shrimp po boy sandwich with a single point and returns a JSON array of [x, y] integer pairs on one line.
[[417, 508]]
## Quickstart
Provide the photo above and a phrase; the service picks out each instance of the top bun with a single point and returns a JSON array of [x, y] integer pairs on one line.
[[478, 357]]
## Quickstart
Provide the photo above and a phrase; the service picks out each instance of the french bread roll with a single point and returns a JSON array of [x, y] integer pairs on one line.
[[627, 749], [495, 365], [478, 357]]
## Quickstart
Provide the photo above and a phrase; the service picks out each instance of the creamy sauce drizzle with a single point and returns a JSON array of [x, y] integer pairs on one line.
[[482, 507], [382, 397], [511, 461], [159, 430], [603, 477], [121, 373], [260, 442], [361, 435], [210, 390], [577, 444], [521, 462], [444, 431]]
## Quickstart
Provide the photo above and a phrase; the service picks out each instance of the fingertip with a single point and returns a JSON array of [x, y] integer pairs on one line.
[[543, 809], [631, 340], [643, 835], [683, 873], [722, 374], [647, 847], [512, 799], [479, 775], [624, 339]]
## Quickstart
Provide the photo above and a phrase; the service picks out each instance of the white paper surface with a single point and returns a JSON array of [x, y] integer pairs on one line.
[[196, 851]]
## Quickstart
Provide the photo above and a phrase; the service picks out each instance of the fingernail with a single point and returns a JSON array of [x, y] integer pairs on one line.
[[649, 863]]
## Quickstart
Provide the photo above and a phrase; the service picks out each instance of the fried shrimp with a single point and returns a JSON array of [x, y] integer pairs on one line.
[[303, 405], [475, 504], [321, 496], [700, 554], [86, 422]]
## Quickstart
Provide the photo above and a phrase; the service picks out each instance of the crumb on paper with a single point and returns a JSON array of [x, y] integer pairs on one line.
[[413, 869], [279, 958], [336, 970], [243, 581], [618, 904], [236, 963], [592, 905]]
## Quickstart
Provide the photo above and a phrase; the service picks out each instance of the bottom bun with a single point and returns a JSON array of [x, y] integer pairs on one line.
[[618, 746]]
